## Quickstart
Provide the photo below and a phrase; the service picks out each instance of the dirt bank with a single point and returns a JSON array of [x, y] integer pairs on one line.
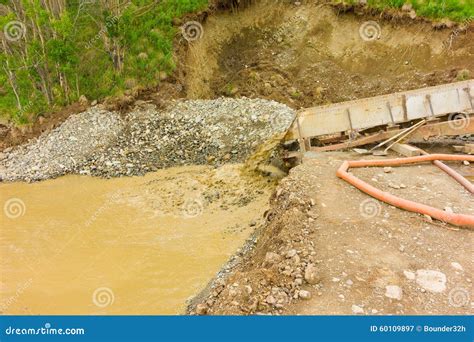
[[327, 248], [313, 54]]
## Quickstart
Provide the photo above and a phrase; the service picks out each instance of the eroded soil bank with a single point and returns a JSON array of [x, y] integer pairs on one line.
[[312, 54]]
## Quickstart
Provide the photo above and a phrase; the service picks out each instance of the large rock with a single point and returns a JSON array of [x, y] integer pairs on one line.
[[310, 274], [272, 258]]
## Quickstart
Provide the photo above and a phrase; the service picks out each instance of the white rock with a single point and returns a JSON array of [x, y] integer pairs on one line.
[[303, 294], [410, 275], [431, 280], [448, 210], [357, 309], [457, 266], [394, 292]]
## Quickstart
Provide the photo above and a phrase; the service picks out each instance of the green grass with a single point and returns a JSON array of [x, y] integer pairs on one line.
[[457, 10], [144, 29]]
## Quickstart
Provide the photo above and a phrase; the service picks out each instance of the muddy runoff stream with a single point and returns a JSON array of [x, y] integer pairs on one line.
[[132, 245]]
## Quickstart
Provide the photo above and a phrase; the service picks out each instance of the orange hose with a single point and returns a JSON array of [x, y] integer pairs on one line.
[[461, 220]]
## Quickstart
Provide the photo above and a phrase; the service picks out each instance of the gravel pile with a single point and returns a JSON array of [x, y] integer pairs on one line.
[[188, 132], [60, 151]]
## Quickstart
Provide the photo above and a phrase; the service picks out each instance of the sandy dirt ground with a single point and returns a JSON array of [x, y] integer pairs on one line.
[[330, 249]]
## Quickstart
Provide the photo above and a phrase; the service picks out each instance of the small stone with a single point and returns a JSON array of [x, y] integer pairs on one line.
[[394, 292], [272, 258], [394, 186], [465, 162], [303, 294], [270, 300], [201, 309], [387, 169], [83, 100], [448, 210], [457, 266], [291, 253], [431, 280], [310, 274], [409, 275], [357, 310]]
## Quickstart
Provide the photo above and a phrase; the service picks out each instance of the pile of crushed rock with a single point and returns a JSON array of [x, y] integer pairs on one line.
[[102, 143]]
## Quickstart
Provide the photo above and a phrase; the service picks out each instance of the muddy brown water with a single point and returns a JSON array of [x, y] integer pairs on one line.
[[141, 245]]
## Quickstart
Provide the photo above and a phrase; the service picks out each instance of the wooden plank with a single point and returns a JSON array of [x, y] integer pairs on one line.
[[357, 142], [406, 150]]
